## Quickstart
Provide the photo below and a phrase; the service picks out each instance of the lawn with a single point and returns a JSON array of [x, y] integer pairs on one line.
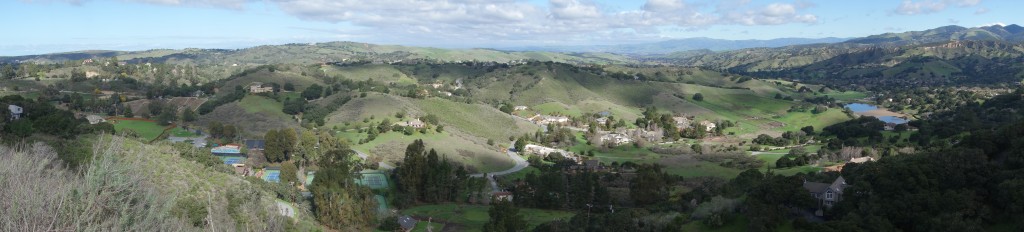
[[473, 217], [145, 130], [179, 132], [257, 104]]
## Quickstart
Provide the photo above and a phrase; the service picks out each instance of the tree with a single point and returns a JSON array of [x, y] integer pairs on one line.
[[273, 149], [650, 185], [698, 97], [312, 92], [520, 144], [288, 173], [819, 109], [167, 116], [504, 217], [288, 86], [188, 115], [338, 202], [128, 112], [19, 128]]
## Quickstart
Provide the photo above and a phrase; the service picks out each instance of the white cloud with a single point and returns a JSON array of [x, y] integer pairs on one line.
[[981, 10], [495, 21], [910, 7], [1001, 24]]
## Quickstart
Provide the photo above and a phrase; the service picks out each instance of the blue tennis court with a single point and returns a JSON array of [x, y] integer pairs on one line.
[[272, 175], [229, 160]]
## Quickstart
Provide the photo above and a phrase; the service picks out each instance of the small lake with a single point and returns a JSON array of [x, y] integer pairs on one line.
[[862, 108]]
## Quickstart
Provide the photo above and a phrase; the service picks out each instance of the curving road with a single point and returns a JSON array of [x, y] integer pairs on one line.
[[520, 164]]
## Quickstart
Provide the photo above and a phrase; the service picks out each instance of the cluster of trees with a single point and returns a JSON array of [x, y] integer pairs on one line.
[[222, 131], [795, 158], [861, 127], [234, 96], [338, 202], [43, 117], [280, 144], [425, 176], [553, 188], [788, 138]]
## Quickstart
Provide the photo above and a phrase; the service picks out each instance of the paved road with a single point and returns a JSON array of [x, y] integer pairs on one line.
[[519, 166]]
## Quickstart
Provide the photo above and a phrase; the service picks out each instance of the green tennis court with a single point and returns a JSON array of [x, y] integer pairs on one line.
[[374, 180]]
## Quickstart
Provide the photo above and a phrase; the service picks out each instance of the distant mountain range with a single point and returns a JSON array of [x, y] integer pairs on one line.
[[680, 45]]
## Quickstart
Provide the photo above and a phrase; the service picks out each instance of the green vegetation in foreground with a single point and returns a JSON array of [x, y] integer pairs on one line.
[[145, 130], [473, 217]]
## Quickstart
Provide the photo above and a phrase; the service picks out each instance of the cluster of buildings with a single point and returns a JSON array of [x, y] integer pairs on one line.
[[414, 123], [548, 119], [259, 87], [543, 152]]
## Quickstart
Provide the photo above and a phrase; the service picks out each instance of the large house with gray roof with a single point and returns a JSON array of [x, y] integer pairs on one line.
[[827, 195]]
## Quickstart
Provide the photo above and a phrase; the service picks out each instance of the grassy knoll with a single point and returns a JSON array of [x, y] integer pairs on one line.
[[391, 148], [255, 115], [146, 130], [795, 120], [258, 104], [473, 217], [280, 77], [378, 72]]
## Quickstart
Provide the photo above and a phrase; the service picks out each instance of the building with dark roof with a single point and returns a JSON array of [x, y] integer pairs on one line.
[[255, 144], [827, 195]]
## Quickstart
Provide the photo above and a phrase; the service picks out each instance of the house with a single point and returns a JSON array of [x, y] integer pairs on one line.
[[602, 120], [708, 125], [518, 108], [437, 85], [682, 122], [258, 87], [548, 119], [862, 159], [94, 119], [16, 111], [87, 61], [615, 138], [415, 123], [890, 126], [827, 195], [255, 144], [543, 151], [407, 223], [498, 196]]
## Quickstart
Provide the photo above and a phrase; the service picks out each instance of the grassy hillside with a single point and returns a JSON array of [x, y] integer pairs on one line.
[[254, 115], [153, 187]]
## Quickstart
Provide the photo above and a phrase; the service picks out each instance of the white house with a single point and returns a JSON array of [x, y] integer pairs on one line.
[[16, 111], [547, 119], [708, 125], [543, 151], [518, 108], [681, 122], [94, 119], [615, 138]]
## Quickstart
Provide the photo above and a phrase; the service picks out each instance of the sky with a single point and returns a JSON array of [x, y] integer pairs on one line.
[[47, 26]]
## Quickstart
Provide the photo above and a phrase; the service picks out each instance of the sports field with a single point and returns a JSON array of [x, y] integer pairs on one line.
[[271, 175]]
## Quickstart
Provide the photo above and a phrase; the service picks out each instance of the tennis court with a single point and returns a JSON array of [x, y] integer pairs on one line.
[[271, 175], [229, 160], [374, 180]]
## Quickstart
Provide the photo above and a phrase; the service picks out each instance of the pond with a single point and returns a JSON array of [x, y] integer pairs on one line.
[[881, 114]]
